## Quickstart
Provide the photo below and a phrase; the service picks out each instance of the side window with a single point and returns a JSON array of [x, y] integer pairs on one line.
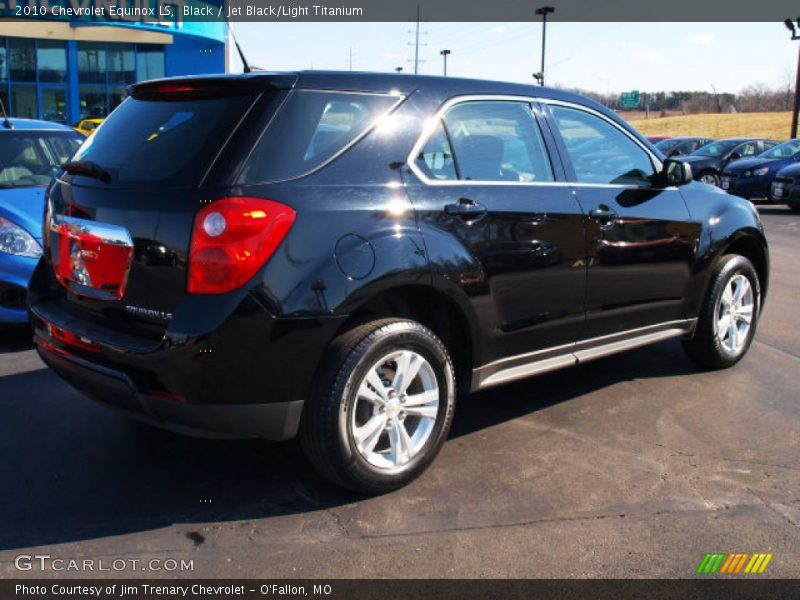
[[748, 149], [497, 141], [601, 153], [311, 128], [436, 158]]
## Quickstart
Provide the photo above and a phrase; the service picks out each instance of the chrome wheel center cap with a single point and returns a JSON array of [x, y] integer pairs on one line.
[[393, 406]]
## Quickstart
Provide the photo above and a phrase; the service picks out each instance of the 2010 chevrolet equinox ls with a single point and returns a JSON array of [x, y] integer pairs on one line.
[[334, 255]]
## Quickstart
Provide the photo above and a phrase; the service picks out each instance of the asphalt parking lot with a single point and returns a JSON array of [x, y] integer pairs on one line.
[[630, 466]]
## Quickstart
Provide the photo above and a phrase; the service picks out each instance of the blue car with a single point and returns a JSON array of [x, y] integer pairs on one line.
[[752, 177], [30, 154]]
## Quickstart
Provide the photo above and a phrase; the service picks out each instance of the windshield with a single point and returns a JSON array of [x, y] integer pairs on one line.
[[31, 158], [715, 148], [785, 150]]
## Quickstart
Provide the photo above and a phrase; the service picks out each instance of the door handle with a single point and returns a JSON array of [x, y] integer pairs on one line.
[[466, 208], [604, 215]]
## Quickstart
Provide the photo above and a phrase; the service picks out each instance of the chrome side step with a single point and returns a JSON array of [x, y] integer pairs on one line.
[[512, 368]]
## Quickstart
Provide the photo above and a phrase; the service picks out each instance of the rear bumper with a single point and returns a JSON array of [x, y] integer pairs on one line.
[[790, 194], [748, 187], [246, 379], [273, 421]]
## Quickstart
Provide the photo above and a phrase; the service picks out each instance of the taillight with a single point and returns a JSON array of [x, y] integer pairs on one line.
[[231, 239], [89, 258]]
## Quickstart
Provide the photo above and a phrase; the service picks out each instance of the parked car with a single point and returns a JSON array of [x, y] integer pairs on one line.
[[681, 146], [786, 187], [752, 177], [87, 126], [30, 154], [345, 288], [709, 161]]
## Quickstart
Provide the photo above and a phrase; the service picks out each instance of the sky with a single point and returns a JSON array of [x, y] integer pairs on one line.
[[602, 57]]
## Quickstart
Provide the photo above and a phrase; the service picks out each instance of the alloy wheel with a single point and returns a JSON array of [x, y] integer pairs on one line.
[[395, 409], [735, 314]]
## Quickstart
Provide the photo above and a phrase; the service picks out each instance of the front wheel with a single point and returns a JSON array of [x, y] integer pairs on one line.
[[382, 406], [727, 322], [710, 178]]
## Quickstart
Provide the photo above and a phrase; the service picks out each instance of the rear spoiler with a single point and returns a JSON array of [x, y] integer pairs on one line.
[[180, 88]]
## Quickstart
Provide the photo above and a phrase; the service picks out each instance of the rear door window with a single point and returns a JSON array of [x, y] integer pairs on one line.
[[435, 159], [498, 141], [165, 141], [310, 129]]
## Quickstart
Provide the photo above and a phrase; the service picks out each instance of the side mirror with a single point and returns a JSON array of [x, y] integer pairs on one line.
[[676, 172]]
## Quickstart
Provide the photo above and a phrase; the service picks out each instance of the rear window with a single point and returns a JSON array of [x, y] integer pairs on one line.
[[310, 129], [170, 142]]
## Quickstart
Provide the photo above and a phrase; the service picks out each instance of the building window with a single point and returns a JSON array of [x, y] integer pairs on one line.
[[93, 102], [54, 104], [116, 94], [91, 62], [121, 63], [3, 60], [23, 101], [22, 59], [51, 58], [34, 75], [149, 62]]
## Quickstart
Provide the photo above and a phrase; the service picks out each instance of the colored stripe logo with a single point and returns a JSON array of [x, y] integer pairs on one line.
[[737, 562]]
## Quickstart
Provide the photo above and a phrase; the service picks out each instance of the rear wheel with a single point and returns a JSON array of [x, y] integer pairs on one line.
[[727, 321], [381, 408]]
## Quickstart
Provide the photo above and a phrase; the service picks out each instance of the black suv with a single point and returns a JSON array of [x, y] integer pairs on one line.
[[335, 255]]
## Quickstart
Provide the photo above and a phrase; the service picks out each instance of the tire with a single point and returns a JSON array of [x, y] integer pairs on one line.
[[709, 177], [351, 427], [710, 349]]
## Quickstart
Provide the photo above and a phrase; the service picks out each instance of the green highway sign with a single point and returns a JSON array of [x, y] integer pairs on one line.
[[629, 99]]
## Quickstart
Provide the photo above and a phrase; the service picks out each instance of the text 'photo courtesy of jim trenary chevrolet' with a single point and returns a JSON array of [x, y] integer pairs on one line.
[[410, 300]]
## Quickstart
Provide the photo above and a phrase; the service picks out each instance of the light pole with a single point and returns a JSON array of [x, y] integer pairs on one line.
[[444, 53], [543, 11], [790, 26]]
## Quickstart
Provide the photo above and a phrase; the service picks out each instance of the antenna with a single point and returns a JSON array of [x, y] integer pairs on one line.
[[245, 64], [6, 123]]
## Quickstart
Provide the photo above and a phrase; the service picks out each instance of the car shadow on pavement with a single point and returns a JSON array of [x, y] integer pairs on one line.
[[15, 339], [771, 209], [73, 470]]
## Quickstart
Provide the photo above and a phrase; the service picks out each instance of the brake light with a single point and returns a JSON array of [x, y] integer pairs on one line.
[[233, 238]]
